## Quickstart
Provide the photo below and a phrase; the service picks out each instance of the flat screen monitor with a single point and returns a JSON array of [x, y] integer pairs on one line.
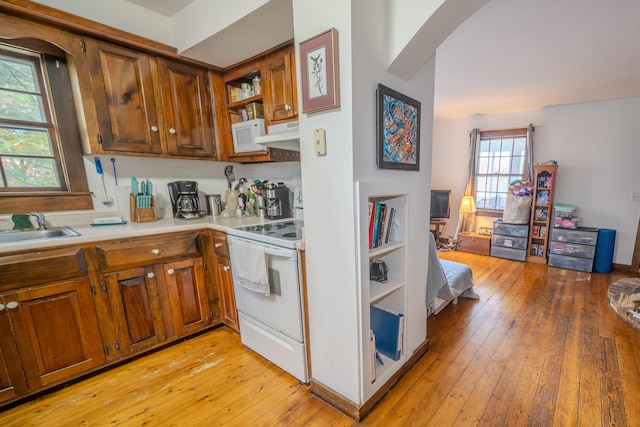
[[440, 204]]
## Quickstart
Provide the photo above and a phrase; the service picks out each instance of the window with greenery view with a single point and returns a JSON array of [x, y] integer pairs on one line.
[[27, 138], [41, 165], [500, 161]]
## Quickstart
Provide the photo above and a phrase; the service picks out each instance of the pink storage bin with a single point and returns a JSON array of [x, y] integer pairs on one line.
[[571, 223]]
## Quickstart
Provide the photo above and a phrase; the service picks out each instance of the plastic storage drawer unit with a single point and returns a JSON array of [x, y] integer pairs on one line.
[[583, 236], [508, 253], [572, 263], [509, 241], [506, 229], [572, 249]]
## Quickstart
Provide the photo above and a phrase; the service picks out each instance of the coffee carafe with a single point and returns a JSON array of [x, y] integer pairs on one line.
[[277, 201], [184, 199]]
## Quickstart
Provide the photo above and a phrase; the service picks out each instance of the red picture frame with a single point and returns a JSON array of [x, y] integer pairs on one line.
[[319, 72]]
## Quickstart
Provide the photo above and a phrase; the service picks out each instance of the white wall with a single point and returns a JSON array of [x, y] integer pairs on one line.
[[119, 14], [595, 144], [329, 184], [329, 211]]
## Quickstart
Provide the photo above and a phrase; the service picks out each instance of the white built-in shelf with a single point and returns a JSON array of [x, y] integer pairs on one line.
[[380, 290]]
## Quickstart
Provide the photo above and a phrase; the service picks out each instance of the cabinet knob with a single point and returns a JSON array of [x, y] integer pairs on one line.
[[217, 245], [154, 128], [155, 251], [151, 275], [1, 308], [286, 107], [170, 271], [172, 131], [11, 305], [226, 267]]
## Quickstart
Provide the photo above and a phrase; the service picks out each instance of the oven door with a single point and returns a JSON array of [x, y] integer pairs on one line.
[[280, 310]]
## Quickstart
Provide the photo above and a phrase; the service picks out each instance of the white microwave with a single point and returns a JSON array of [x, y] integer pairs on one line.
[[244, 135]]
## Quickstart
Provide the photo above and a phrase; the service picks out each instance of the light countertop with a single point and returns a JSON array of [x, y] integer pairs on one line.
[[89, 233]]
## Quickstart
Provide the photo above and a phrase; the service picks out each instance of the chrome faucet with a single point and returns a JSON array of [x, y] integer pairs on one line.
[[40, 218]]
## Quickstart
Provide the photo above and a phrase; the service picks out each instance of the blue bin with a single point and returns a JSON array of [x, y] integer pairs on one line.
[[604, 250]]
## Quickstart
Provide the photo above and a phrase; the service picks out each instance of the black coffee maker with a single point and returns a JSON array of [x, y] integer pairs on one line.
[[184, 199]]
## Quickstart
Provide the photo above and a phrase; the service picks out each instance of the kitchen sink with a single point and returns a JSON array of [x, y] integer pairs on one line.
[[17, 236]]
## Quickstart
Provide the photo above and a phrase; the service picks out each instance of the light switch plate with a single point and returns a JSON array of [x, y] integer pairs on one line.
[[320, 142]]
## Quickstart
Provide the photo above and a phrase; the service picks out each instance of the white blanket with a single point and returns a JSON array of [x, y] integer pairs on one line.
[[250, 266], [447, 280]]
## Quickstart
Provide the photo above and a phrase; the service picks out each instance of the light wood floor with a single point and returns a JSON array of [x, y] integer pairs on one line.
[[540, 348]]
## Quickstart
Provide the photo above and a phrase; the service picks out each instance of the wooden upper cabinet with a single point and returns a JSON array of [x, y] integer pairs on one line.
[[278, 99], [123, 92], [280, 90], [187, 109]]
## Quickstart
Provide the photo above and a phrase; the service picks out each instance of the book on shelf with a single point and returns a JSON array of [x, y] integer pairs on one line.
[[392, 218], [381, 223], [381, 220], [542, 197], [388, 328], [372, 350], [370, 225], [540, 214]]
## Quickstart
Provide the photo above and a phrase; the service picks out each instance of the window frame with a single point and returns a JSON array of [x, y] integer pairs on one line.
[[74, 193], [495, 134]]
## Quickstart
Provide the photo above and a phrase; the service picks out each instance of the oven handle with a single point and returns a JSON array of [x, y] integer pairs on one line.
[[291, 254], [282, 253]]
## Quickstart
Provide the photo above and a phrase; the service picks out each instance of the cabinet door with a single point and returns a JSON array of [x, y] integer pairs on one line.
[[187, 292], [12, 381], [187, 109], [136, 306], [224, 278], [124, 98], [56, 330], [281, 86]]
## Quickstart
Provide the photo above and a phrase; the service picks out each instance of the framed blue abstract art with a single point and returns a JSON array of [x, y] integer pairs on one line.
[[398, 121]]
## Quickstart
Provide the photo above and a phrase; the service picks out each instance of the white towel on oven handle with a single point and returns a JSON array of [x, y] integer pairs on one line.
[[250, 268]]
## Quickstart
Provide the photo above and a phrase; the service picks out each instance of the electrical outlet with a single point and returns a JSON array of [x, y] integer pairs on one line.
[[635, 197]]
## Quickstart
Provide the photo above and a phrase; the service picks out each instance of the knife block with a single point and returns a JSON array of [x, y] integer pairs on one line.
[[142, 214]]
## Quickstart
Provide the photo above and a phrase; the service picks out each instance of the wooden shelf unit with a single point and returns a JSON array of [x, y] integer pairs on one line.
[[541, 213]]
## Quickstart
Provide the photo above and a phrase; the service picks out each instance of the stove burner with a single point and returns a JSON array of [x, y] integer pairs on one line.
[[266, 227], [290, 235]]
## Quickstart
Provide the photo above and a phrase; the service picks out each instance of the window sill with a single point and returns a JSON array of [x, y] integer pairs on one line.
[[493, 214], [45, 202]]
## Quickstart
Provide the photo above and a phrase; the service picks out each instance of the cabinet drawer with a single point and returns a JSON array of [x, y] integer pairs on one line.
[[509, 241], [474, 243], [220, 245], [508, 229], [144, 251], [581, 264], [48, 266], [572, 249], [509, 253], [583, 236]]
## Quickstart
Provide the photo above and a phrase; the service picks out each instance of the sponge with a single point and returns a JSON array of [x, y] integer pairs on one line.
[[21, 222]]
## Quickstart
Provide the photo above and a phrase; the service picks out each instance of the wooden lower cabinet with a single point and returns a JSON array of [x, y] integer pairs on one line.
[[13, 383], [135, 305], [188, 295], [224, 278], [56, 333], [222, 267], [101, 303]]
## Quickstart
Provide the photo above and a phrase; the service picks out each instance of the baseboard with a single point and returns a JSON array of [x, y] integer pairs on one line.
[[359, 412]]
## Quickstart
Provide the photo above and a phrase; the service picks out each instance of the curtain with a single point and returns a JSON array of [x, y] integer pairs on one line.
[[466, 221], [527, 170]]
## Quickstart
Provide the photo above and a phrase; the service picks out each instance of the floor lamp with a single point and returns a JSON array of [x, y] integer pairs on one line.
[[468, 207]]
